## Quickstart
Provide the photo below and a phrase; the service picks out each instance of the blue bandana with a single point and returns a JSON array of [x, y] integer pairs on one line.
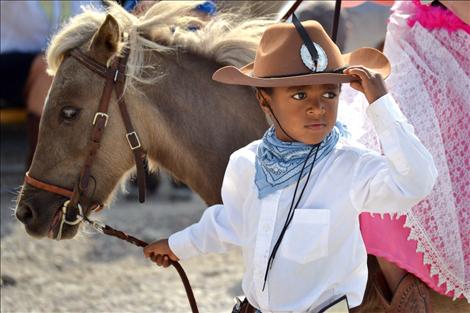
[[278, 163]]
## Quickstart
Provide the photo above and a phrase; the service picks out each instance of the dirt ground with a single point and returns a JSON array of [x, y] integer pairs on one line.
[[95, 273]]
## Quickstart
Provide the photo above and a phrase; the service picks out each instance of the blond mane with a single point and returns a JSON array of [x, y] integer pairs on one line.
[[227, 38]]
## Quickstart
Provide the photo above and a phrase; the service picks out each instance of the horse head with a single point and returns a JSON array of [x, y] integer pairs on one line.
[[187, 123], [64, 138]]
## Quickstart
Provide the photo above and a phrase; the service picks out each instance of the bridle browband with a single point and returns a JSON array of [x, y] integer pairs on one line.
[[115, 80]]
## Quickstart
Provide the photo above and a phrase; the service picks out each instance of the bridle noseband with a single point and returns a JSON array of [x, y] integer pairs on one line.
[[115, 80]]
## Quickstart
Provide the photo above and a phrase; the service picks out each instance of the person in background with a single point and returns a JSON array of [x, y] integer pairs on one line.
[[26, 27], [428, 43], [429, 247]]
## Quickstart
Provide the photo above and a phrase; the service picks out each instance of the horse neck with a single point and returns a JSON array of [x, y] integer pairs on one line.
[[192, 124]]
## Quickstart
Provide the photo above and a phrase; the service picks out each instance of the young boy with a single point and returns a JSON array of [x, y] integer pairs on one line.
[[291, 200]]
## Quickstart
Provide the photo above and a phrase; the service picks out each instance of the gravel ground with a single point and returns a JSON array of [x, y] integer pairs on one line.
[[96, 273]]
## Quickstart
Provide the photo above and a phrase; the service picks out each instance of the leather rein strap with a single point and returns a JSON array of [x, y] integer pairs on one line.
[[108, 230], [334, 31], [115, 80]]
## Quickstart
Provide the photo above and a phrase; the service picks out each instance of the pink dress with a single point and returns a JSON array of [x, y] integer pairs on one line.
[[429, 49]]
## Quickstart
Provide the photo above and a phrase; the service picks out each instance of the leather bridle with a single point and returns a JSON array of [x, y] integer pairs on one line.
[[115, 76], [115, 80]]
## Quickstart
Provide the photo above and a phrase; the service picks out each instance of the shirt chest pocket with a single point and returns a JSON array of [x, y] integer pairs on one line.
[[306, 239]]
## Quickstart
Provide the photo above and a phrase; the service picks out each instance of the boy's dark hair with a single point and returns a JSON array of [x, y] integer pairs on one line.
[[267, 90]]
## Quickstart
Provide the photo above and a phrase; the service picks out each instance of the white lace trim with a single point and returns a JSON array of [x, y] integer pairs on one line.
[[430, 80]]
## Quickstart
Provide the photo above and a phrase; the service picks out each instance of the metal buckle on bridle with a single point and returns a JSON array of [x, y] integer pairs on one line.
[[136, 137], [63, 220], [101, 114], [98, 226], [115, 78]]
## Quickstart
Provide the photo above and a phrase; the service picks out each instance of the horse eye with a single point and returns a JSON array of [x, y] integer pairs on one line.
[[69, 113]]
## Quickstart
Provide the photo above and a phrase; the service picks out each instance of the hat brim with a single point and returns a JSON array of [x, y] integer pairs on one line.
[[370, 58]]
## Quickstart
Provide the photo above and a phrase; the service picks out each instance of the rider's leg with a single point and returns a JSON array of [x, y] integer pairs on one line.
[[401, 292], [393, 274]]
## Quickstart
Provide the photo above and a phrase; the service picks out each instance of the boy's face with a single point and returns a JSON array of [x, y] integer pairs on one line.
[[306, 113]]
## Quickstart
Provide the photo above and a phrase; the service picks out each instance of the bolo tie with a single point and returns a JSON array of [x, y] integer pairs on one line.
[[294, 203]]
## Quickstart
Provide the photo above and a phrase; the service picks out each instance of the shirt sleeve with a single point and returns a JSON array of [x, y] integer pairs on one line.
[[220, 225], [404, 175]]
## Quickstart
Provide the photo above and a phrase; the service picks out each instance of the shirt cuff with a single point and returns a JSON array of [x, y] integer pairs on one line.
[[181, 245], [384, 113]]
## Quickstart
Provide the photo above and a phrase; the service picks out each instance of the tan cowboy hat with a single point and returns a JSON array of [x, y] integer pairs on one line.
[[290, 56]]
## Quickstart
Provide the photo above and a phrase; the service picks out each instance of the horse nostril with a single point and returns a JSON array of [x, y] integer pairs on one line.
[[24, 213]]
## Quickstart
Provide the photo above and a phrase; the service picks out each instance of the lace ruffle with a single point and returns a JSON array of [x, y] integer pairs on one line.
[[430, 81]]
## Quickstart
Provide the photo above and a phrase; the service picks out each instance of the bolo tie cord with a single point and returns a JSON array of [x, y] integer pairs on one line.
[[292, 208], [280, 126], [274, 115]]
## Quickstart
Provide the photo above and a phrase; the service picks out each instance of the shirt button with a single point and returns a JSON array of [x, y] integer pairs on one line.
[[266, 227]]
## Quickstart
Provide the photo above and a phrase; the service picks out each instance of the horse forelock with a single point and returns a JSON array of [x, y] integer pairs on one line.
[[227, 38]]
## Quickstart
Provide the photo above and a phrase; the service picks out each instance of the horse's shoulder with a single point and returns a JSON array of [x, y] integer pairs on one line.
[[245, 157]]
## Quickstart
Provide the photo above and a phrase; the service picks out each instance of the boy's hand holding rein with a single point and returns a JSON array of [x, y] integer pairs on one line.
[[371, 84], [160, 253]]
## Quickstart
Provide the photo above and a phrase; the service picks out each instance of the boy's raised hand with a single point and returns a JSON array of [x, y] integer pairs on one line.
[[160, 252], [371, 84]]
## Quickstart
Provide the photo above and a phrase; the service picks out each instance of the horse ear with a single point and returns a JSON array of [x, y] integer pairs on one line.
[[105, 41]]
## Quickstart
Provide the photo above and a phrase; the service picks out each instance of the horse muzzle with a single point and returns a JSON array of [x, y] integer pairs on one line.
[[48, 214]]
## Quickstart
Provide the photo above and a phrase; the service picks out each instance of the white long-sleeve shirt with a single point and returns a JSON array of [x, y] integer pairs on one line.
[[322, 255]]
